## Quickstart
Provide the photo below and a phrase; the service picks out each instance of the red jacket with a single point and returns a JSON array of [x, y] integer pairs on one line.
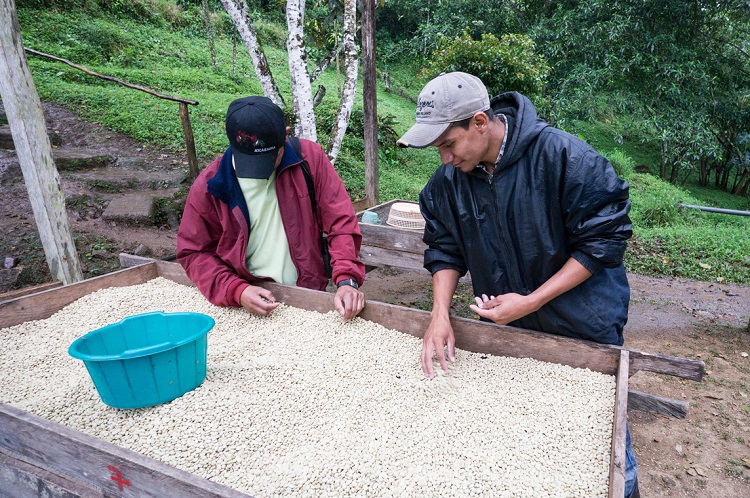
[[213, 234]]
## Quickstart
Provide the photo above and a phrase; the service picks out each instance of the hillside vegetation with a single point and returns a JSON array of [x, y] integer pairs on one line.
[[163, 46]]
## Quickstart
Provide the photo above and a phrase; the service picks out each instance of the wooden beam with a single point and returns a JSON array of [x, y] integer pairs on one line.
[[94, 463], [45, 304], [21, 479], [378, 256], [29, 129], [29, 290], [650, 403], [131, 260], [388, 237], [617, 464], [664, 364], [360, 204]]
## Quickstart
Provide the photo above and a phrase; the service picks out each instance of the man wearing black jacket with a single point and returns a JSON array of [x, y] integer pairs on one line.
[[537, 217]]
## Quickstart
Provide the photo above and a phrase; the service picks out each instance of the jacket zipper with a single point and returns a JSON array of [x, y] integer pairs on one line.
[[514, 276]]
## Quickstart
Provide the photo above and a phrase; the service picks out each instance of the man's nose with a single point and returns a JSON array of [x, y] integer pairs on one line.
[[446, 157]]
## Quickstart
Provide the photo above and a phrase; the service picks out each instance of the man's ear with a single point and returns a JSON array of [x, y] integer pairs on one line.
[[480, 120]]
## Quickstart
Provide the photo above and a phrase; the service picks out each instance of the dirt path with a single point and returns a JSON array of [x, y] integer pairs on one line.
[[707, 454]]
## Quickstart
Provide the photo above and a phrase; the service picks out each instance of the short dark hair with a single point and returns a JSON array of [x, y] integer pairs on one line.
[[464, 123]]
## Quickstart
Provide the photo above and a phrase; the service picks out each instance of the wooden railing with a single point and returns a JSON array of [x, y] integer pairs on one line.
[[184, 114]]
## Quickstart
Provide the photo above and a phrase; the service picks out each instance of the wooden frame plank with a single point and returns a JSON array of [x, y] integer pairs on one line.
[[380, 256], [617, 464], [650, 403], [7, 296], [94, 463], [44, 304], [20, 479]]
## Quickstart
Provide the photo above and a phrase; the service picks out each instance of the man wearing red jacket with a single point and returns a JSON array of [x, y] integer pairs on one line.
[[249, 218]]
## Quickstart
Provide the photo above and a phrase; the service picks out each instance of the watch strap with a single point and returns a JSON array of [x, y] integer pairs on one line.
[[348, 281]]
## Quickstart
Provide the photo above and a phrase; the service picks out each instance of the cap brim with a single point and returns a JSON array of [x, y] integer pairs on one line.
[[422, 135], [259, 166]]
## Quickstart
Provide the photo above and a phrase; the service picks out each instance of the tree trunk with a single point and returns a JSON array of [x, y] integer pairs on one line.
[[663, 162], [350, 81], [724, 179], [301, 88], [234, 51], [703, 181], [674, 173], [26, 118], [370, 103], [239, 13], [210, 33], [326, 61], [742, 185]]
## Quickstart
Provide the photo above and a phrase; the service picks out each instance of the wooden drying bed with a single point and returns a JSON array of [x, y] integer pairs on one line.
[[42, 458]]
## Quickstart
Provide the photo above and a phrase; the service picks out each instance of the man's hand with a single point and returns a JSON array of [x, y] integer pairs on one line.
[[505, 308], [258, 300], [509, 307], [348, 301], [438, 335]]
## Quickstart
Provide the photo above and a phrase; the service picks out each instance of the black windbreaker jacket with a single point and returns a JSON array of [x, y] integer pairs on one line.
[[551, 197]]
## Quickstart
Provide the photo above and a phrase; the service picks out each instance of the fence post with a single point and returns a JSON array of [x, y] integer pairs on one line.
[[189, 141]]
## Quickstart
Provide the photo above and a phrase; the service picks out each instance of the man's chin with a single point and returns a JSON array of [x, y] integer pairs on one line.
[[464, 167]]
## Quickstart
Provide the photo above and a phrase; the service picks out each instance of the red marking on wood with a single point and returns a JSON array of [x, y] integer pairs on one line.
[[117, 477]]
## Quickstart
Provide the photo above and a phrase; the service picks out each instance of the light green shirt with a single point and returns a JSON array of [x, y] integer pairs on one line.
[[267, 253]]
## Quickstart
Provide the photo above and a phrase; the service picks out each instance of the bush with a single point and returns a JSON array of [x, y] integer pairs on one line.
[[504, 64], [623, 164], [655, 203]]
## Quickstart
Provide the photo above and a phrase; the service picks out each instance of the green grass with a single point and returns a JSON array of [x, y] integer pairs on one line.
[[163, 47]]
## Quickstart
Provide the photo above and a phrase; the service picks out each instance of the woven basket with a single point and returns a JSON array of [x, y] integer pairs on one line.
[[406, 215]]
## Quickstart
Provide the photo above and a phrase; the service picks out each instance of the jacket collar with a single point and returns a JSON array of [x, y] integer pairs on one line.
[[225, 187]]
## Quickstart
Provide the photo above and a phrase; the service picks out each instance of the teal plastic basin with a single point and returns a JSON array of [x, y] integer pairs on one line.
[[147, 359]]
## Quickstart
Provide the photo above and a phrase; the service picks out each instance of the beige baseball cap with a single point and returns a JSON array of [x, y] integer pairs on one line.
[[446, 99]]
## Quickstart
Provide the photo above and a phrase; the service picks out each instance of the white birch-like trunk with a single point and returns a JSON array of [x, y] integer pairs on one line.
[[26, 118], [301, 88], [351, 63], [238, 12]]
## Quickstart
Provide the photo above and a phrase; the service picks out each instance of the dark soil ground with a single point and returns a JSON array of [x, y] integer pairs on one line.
[[707, 454]]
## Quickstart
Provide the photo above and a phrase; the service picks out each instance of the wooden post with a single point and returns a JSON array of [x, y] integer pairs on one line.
[[29, 130], [369, 103], [189, 141]]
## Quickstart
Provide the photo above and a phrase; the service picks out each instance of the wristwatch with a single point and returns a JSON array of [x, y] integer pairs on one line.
[[348, 281]]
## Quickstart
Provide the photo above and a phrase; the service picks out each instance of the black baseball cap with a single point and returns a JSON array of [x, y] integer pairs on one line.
[[256, 129]]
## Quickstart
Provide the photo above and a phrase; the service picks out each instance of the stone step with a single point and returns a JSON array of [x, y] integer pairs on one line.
[[116, 179], [130, 209], [6, 137], [80, 159]]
